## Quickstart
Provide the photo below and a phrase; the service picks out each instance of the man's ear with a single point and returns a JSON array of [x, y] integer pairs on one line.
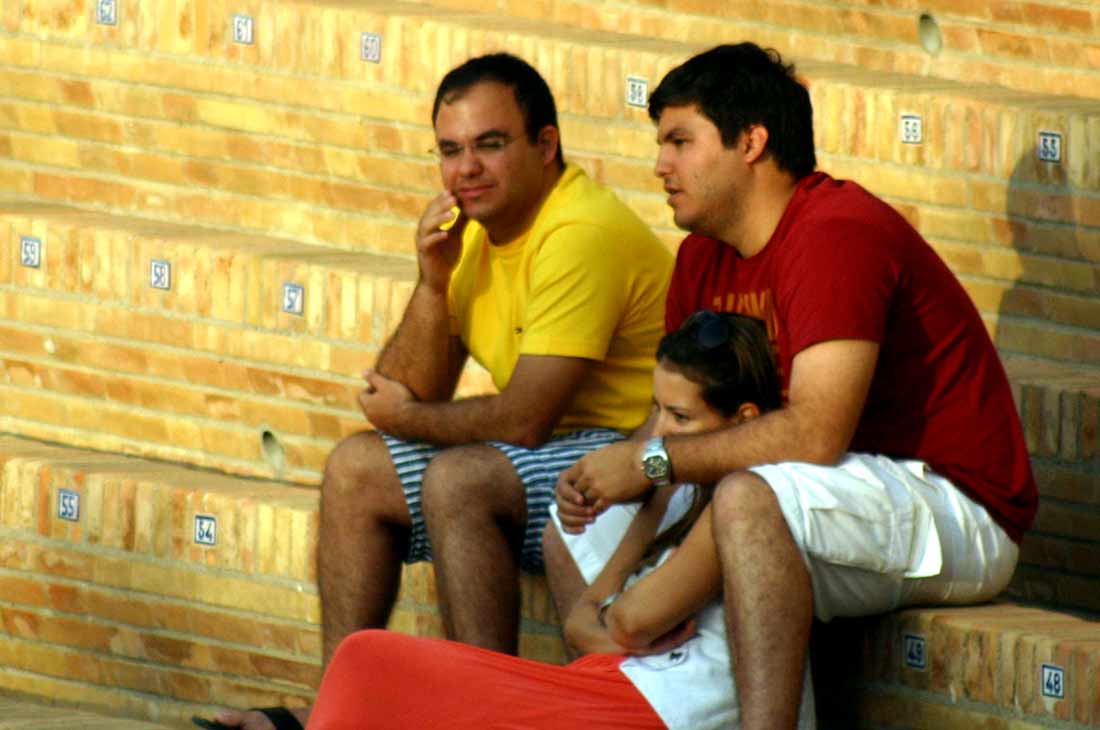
[[548, 140], [754, 142]]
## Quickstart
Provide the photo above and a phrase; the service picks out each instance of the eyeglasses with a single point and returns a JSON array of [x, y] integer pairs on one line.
[[481, 147], [713, 328]]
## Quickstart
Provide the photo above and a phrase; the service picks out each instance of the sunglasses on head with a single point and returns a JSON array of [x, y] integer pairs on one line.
[[713, 328]]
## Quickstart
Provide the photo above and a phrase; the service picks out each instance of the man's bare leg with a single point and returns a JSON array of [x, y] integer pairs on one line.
[[364, 534], [364, 524], [768, 600], [562, 575], [476, 510]]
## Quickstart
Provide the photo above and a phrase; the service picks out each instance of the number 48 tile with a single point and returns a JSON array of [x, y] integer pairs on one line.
[[1054, 681]]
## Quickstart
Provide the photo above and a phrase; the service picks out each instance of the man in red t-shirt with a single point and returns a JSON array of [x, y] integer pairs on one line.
[[896, 472]]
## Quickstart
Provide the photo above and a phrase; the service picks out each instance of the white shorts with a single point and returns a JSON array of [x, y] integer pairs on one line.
[[875, 534]]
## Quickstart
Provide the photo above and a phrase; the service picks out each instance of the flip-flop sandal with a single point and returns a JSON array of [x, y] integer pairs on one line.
[[280, 717]]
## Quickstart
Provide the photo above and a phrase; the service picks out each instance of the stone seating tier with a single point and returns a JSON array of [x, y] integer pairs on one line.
[[118, 600], [163, 116], [168, 194], [1044, 46]]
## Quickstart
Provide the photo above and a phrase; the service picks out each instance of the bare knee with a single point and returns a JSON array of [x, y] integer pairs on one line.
[[360, 472], [472, 480], [742, 499]]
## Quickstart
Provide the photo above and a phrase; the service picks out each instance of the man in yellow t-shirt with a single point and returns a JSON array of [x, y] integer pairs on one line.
[[553, 285]]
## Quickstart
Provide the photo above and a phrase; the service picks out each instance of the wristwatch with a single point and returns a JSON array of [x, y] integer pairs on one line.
[[655, 464]]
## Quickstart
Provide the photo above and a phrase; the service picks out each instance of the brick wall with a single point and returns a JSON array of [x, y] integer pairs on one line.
[[1043, 46], [290, 160], [306, 141]]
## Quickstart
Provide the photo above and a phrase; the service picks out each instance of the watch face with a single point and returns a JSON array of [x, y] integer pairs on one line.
[[655, 467]]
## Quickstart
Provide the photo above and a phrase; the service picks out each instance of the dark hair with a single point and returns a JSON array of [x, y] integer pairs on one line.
[[533, 96], [737, 86], [728, 356]]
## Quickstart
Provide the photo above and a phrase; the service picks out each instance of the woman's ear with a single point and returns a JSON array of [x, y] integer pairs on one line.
[[745, 412]]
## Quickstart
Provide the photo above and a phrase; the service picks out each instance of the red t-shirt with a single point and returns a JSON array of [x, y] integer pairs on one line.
[[844, 265]]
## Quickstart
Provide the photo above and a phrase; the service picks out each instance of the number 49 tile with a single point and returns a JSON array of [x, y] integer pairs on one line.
[[915, 651]]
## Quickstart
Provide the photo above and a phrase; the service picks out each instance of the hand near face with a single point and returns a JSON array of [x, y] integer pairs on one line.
[[384, 402], [437, 250]]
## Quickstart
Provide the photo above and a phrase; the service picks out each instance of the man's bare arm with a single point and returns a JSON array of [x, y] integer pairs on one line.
[[677, 589], [524, 413], [422, 354], [829, 384]]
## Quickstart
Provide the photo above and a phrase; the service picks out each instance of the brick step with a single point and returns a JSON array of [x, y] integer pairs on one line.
[[21, 713], [1047, 46], [1060, 410], [214, 373], [303, 139], [102, 94], [1000, 665], [111, 596], [123, 610], [245, 388], [315, 144], [211, 371]]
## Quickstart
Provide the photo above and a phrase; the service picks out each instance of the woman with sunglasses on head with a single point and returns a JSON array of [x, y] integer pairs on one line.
[[650, 625]]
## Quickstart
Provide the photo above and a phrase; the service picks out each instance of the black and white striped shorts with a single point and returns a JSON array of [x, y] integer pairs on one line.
[[538, 469]]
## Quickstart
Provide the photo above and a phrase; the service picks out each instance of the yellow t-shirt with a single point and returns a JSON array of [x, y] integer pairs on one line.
[[588, 280]]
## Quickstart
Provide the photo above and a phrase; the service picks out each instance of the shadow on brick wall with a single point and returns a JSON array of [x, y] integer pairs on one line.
[[1048, 297]]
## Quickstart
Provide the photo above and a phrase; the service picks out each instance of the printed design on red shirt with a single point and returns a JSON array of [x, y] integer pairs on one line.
[[758, 305]]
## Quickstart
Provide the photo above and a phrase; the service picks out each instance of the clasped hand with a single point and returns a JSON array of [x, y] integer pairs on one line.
[[385, 402], [598, 480]]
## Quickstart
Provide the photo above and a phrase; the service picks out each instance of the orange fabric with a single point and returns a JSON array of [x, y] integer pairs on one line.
[[381, 679]]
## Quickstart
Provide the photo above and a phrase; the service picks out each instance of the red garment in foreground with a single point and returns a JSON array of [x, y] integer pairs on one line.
[[382, 679]]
